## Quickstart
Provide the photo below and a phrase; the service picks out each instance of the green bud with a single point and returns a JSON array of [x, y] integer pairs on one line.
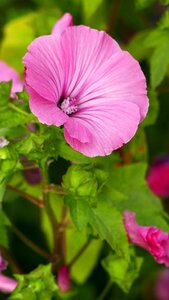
[[80, 181]]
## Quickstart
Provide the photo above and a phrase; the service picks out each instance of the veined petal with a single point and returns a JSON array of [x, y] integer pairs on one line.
[[65, 21], [46, 111], [110, 127], [43, 67]]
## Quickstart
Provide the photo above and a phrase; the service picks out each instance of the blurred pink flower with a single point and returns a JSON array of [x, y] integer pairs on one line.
[[158, 176], [6, 74], [3, 264], [150, 238], [79, 77], [7, 284], [161, 289], [64, 278]]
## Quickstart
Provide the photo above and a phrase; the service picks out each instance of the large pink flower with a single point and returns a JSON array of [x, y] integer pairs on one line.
[[150, 238], [80, 78], [6, 74]]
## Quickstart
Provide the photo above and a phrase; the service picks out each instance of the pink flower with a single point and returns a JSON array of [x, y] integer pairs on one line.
[[3, 264], [80, 78], [7, 284], [64, 278], [158, 176], [162, 285], [6, 74], [150, 238]]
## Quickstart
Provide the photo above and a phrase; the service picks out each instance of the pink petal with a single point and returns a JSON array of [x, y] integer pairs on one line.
[[150, 238], [132, 229], [46, 111], [109, 126], [65, 21], [7, 284], [95, 67], [43, 67], [6, 74]]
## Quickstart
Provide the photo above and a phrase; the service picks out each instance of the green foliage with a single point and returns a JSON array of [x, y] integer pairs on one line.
[[104, 219], [128, 190], [121, 271], [39, 284]]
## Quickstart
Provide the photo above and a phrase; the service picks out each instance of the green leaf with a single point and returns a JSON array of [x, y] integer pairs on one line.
[[159, 63], [121, 271], [134, 195], [5, 89], [134, 48], [105, 220], [39, 284]]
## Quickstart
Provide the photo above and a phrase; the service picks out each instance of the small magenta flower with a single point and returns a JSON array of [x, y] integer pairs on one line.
[[7, 284], [158, 176], [64, 278], [79, 77], [150, 238], [6, 74], [161, 289]]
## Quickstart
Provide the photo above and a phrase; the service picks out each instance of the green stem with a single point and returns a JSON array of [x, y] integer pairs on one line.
[[29, 243], [36, 201], [80, 252], [14, 107], [105, 291]]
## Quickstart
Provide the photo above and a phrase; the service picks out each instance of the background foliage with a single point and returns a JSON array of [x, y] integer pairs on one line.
[[94, 192]]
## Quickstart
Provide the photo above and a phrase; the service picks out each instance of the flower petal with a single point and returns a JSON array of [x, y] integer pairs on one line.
[[46, 111], [109, 126], [43, 67], [95, 67], [65, 21]]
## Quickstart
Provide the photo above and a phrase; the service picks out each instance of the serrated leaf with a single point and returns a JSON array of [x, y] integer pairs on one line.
[[130, 181], [105, 219]]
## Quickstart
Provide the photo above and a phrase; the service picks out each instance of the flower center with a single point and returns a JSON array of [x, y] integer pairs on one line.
[[68, 105]]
